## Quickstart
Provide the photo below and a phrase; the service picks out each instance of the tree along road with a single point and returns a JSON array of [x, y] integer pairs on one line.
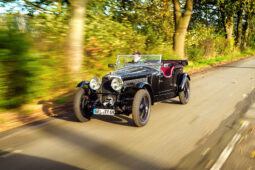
[[172, 132]]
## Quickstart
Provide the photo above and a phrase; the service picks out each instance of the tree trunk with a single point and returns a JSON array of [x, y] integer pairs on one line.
[[228, 22], [239, 30], [239, 25], [181, 25], [229, 26], [75, 51], [246, 33], [179, 42], [246, 28]]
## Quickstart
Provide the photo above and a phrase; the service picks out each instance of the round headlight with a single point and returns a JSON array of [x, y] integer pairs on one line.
[[95, 83], [117, 84]]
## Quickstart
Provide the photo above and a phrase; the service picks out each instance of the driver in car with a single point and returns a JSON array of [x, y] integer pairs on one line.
[[137, 57]]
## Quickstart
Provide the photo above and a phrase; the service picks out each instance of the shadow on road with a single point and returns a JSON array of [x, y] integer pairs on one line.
[[54, 109], [105, 154], [18, 161], [103, 150], [171, 101], [117, 119], [59, 111], [84, 143], [209, 147], [65, 112]]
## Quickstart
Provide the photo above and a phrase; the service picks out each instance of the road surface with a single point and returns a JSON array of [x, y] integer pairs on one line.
[[172, 133]]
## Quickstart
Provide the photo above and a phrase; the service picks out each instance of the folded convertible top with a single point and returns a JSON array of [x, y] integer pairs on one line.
[[182, 62]]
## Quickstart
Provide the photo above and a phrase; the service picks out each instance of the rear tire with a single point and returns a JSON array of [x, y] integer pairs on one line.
[[79, 106], [141, 107], [185, 94]]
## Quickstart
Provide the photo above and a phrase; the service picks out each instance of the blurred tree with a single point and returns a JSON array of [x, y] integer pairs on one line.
[[182, 20], [228, 9], [14, 59], [205, 12], [249, 11], [75, 50], [239, 32], [75, 38]]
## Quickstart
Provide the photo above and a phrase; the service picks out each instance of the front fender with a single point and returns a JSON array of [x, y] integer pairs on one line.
[[141, 85], [82, 84], [184, 78], [146, 85]]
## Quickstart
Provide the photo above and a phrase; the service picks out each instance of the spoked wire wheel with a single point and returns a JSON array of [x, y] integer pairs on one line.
[[80, 102], [141, 107], [185, 94]]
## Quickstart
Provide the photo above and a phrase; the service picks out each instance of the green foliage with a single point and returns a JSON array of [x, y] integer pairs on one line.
[[195, 54], [25, 74], [252, 42], [32, 47], [105, 39], [49, 31], [14, 61], [204, 42]]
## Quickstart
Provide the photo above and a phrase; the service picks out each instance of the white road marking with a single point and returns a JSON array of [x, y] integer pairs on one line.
[[229, 148], [244, 125]]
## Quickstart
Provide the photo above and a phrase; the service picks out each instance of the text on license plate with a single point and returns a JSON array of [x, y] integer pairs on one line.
[[103, 111]]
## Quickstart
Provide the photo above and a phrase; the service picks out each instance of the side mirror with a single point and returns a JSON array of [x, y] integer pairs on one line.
[[111, 65]]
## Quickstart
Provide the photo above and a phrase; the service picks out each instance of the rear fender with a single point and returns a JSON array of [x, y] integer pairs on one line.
[[183, 80]]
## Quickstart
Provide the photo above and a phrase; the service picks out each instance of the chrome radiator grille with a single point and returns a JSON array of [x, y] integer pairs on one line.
[[106, 86]]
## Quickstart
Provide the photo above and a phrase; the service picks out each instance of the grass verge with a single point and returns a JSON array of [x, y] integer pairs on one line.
[[197, 66]]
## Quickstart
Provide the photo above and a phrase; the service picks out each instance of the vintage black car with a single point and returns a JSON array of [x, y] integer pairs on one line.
[[133, 88]]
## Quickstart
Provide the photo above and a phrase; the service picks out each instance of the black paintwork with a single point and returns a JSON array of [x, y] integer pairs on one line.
[[135, 78]]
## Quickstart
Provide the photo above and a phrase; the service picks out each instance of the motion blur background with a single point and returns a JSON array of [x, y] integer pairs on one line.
[[35, 37]]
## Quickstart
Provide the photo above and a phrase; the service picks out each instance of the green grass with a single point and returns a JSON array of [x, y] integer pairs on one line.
[[210, 62]]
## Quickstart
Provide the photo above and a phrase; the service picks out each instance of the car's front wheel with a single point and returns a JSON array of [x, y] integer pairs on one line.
[[141, 107], [80, 102], [185, 93]]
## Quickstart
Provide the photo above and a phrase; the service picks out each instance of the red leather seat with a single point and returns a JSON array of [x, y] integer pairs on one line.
[[167, 71]]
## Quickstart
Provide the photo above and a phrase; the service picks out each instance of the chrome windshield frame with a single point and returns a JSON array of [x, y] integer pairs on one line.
[[138, 64]]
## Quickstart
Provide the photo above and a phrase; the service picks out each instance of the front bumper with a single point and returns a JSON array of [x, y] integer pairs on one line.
[[118, 102]]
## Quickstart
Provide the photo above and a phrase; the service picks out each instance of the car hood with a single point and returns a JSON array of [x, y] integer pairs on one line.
[[132, 72]]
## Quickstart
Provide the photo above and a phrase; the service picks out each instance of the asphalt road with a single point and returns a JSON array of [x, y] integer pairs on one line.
[[172, 133]]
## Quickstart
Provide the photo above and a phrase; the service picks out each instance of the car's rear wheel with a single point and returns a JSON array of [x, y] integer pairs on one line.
[[185, 94], [80, 102], [141, 107]]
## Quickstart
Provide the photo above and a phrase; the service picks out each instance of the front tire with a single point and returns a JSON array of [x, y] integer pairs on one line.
[[185, 94], [79, 106], [141, 107]]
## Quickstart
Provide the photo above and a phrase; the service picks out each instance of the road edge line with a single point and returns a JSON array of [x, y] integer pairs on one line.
[[229, 148]]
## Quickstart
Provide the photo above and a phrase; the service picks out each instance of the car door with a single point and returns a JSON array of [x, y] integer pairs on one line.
[[164, 84], [166, 89]]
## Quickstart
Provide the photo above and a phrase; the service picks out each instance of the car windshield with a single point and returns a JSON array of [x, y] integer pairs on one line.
[[138, 60]]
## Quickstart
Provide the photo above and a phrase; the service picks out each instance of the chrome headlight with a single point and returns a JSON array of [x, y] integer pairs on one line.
[[95, 83], [117, 84]]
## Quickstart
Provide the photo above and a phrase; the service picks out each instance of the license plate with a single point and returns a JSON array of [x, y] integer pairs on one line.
[[103, 111]]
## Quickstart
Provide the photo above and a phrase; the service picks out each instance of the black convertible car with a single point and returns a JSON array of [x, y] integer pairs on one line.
[[133, 88]]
